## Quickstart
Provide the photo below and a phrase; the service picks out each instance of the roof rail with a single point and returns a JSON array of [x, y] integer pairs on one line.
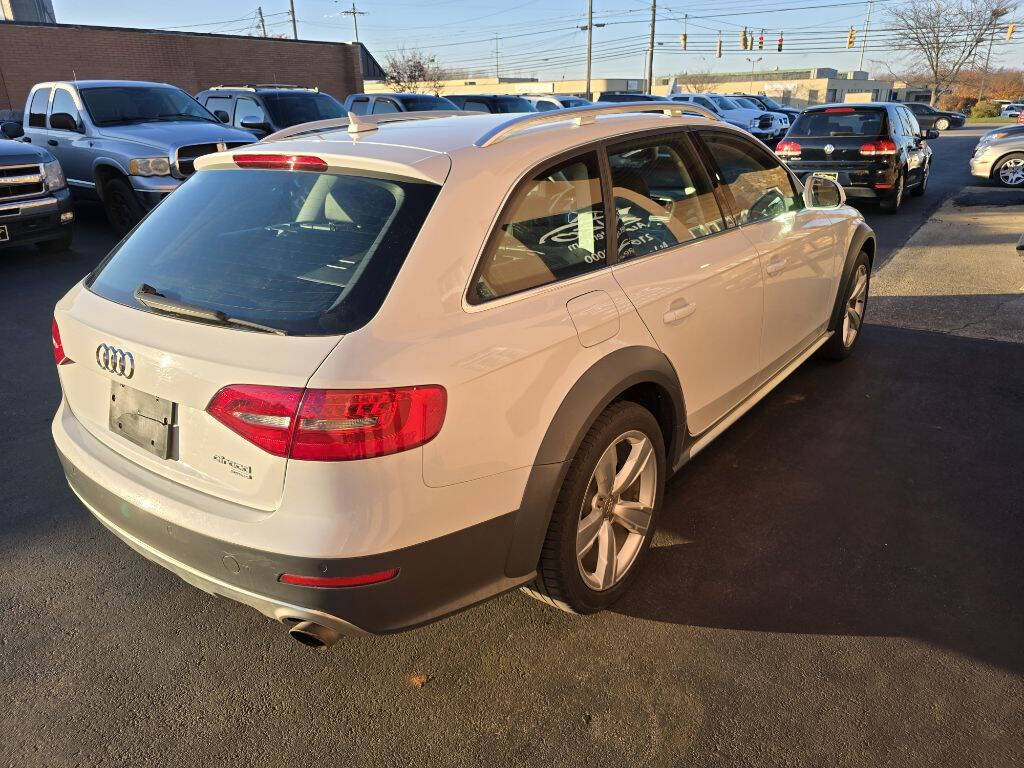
[[254, 86], [585, 115], [361, 123]]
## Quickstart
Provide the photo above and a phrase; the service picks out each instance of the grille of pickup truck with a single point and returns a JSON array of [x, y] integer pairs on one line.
[[764, 122], [20, 181], [186, 156]]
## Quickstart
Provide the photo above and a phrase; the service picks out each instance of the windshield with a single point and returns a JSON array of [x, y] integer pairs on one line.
[[426, 103], [125, 104], [308, 253], [770, 103], [288, 109], [724, 103], [840, 121], [747, 103], [512, 104]]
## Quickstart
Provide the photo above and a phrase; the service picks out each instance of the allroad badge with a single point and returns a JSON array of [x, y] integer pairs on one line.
[[115, 361], [829, 149]]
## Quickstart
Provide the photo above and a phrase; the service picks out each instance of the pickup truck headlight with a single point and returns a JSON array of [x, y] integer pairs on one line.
[[150, 166], [754, 122], [53, 176]]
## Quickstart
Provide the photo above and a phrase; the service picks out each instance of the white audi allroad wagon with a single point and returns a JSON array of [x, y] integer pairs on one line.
[[367, 373]]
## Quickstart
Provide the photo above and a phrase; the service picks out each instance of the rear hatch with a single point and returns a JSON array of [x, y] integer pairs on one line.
[[252, 277], [844, 129]]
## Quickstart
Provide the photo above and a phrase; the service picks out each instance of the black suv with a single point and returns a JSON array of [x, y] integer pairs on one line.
[[263, 109], [876, 151]]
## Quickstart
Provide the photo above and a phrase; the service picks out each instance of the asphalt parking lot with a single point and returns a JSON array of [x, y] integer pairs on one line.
[[838, 581]]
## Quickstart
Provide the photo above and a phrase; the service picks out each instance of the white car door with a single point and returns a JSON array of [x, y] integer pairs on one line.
[[696, 284], [799, 248]]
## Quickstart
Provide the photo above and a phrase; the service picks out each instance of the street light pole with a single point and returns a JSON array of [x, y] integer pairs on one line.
[[650, 50], [864, 39], [753, 63]]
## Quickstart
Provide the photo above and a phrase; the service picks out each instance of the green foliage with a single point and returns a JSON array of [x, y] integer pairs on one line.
[[985, 109]]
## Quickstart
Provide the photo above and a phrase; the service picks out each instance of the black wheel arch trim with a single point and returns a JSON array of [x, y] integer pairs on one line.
[[863, 239], [602, 383]]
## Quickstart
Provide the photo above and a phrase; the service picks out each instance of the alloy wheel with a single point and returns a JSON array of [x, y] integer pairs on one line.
[[1011, 173], [941, 124], [617, 509], [855, 306]]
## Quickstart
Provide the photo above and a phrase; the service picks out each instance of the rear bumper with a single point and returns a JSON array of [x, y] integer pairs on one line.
[[435, 578], [37, 220], [858, 183]]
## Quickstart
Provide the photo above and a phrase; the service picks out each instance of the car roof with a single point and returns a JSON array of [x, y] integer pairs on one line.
[[858, 105], [414, 146], [108, 83]]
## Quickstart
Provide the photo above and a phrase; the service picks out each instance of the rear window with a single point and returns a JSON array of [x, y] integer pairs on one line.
[[288, 109], [426, 103], [307, 253], [843, 121], [506, 104]]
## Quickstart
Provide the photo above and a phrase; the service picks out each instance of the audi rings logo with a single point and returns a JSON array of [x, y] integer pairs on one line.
[[117, 361]]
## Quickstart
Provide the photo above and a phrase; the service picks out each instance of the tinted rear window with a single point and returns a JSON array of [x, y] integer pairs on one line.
[[308, 253], [288, 109], [843, 122], [426, 103]]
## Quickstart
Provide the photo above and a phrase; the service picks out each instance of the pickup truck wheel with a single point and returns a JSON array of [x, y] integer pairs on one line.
[[605, 514], [123, 208], [59, 245], [847, 330]]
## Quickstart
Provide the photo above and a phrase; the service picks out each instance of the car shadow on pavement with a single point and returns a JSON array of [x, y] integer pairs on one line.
[[880, 496]]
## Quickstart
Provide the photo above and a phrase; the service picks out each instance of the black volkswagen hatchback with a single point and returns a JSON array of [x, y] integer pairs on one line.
[[876, 151]]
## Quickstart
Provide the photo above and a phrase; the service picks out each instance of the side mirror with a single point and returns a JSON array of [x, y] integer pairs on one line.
[[62, 121], [12, 130], [823, 193], [221, 115], [255, 124], [930, 133]]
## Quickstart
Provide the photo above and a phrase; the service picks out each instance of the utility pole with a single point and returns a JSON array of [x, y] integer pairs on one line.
[[589, 29], [864, 40], [497, 71], [353, 13], [650, 50], [291, 10], [997, 14], [263, 27]]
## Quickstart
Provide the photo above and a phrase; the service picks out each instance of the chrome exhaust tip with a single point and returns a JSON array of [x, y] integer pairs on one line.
[[314, 635]]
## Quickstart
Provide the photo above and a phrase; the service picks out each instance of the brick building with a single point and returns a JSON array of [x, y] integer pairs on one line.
[[33, 53]]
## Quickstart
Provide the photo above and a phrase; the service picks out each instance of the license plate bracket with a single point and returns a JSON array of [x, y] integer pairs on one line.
[[833, 175], [141, 418], [4, 236]]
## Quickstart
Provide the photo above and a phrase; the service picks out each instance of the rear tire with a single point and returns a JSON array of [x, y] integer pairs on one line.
[[942, 124], [855, 304], [605, 514], [122, 206], [1010, 171], [892, 203], [59, 245]]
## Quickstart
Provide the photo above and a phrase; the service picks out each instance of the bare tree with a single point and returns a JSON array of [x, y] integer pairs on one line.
[[413, 72], [944, 35], [699, 80]]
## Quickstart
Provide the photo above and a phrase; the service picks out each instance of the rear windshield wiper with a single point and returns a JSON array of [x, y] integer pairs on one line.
[[152, 298]]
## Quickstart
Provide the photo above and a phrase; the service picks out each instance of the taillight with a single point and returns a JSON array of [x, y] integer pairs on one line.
[[281, 162], [881, 147], [788, 149], [331, 424], [58, 349], [338, 581]]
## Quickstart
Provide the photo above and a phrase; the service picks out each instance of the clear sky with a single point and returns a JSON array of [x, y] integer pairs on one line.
[[539, 37]]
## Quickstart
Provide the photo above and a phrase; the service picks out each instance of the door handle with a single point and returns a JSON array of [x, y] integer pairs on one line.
[[675, 314], [774, 267], [52, 142]]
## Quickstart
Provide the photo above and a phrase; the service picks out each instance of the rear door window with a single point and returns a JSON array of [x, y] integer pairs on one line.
[[755, 181], [553, 229], [219, 104], [663, 196], [308, 253], [383, 106], [359, 106], [37, 109]]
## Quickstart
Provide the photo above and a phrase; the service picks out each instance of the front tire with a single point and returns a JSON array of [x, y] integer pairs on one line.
[[919, 190], [122, 207], [847, 330], [605, 514], [1010, 171], [942, 124]]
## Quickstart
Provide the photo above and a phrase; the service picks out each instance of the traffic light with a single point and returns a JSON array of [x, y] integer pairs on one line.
[[718, 49], [682, 39], [1010, 30], [780, 42], [851, 38], [760, 41], [743, 39]]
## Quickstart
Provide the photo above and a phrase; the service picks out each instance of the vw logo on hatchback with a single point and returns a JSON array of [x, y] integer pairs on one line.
[[116, 361], [829, 149]]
